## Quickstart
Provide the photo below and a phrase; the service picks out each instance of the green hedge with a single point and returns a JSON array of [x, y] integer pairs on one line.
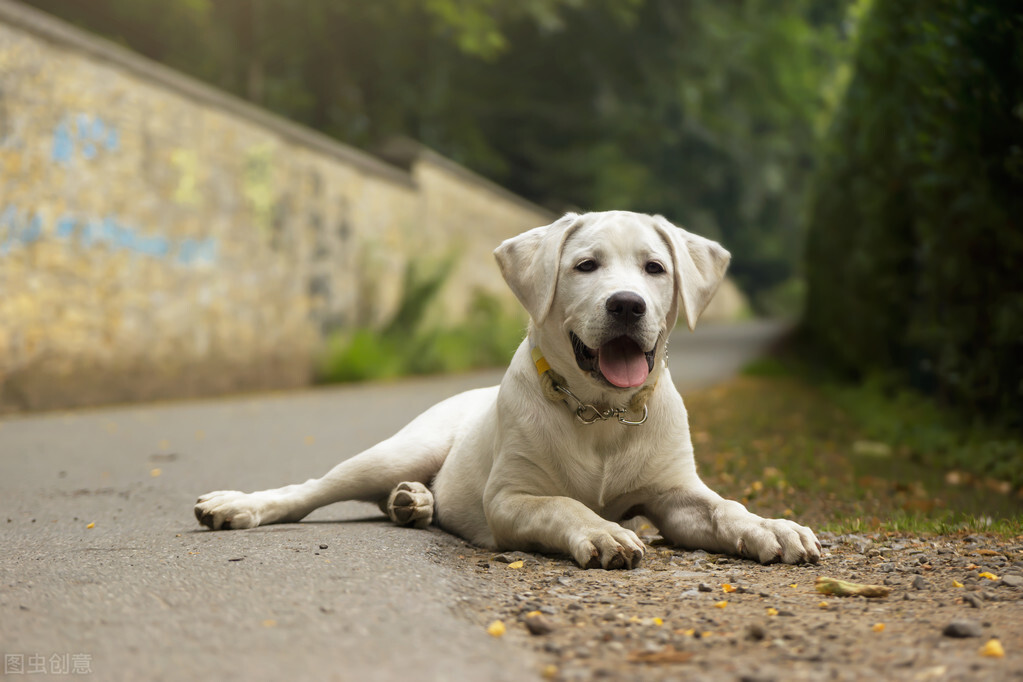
[[915, 245]]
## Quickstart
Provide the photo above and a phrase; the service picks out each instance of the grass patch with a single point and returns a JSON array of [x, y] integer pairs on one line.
[[789, 449], [487, 337]]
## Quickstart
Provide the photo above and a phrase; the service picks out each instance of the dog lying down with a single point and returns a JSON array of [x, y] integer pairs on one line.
[[586, 429]]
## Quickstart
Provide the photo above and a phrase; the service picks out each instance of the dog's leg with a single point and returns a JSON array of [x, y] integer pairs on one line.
[[415, 454], [562, 524], [695, 517], [409, 504]]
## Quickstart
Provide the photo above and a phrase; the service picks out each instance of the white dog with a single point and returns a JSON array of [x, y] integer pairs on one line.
[[585, 430]]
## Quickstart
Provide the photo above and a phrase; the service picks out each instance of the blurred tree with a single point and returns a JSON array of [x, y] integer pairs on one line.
[[915, 250], [706, 111]]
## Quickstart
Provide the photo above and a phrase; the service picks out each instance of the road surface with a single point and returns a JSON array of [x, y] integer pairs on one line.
[[104, 569]]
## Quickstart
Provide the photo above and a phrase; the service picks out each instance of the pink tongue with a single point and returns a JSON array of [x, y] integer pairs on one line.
[[622, 362]]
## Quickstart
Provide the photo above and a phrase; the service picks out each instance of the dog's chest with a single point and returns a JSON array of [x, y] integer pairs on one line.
[[603, 467]]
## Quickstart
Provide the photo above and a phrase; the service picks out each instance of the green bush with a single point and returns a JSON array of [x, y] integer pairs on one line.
[[487, 337], [915, 247]]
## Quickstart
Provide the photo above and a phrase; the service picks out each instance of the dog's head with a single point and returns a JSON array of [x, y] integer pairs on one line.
[[602, 289]]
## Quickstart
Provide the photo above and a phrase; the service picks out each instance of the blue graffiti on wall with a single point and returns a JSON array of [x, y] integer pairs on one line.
[[21, 228], [86, 134]]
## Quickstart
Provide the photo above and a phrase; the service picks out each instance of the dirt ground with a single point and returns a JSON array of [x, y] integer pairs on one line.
[[697, 616]]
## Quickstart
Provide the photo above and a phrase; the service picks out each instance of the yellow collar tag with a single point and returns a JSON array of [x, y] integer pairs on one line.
[[540, 361]]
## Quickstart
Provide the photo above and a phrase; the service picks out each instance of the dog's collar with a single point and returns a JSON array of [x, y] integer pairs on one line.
[[555, 389]]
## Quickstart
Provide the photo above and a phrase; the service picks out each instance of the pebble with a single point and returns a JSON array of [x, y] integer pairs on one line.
[[539, 624], [704, 587], [973, 600], [920, 584], [511, 557], [1012, 580], [963, 628]]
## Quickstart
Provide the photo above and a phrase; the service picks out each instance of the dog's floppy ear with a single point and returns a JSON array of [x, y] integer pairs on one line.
[[529, 264], [700, 266]]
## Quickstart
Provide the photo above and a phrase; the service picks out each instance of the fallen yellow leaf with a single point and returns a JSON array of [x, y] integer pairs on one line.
[[721, 604], [550, 672], [993, 648], [269, 623], [658, 621], [989, 576], [729, 588], [155, 472], [496, 629], [878, 627], [91, 525], [793, 586], [956, 583], [844, 588], [823, 605], [516, 564], [771, 611], [533, 614]]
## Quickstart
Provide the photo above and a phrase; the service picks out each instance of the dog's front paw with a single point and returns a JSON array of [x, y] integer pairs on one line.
[[609, 547], [770, 540], [228, 510]]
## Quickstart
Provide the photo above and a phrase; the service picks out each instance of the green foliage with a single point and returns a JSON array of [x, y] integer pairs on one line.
[[944, 523], [914, 427], [785, 447], [409, 345], [705, 111], [915, 245]]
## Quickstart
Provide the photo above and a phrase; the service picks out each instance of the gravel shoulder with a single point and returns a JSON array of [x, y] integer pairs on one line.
[[674, 617]]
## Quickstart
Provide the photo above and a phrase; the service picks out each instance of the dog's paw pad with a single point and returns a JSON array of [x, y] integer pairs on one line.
[[612, 548], [773, 540], [410, 504], [227, 510]]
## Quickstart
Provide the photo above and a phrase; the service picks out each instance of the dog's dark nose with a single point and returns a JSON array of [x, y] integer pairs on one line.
[[625, 306]]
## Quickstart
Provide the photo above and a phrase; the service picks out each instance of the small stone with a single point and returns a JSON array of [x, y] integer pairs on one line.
[[323, 546], [973, 599], [756, 632], [919, 583], [704, 587], [538, 624], [1012, 580], [963, 628], [756, 677]]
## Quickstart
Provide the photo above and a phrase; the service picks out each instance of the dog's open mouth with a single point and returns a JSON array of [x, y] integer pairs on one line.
[[621, 361]]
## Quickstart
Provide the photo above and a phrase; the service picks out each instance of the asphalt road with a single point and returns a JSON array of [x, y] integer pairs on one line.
[[104, 570]]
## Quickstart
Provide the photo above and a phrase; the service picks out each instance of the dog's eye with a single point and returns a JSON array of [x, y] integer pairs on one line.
[[654, 268], [588, 265]]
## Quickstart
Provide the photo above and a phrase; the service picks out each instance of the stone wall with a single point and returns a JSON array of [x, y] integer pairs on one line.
[[159, 238]]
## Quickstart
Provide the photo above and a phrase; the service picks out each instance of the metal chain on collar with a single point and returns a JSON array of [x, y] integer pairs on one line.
[[553, 383], [596, 414]]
